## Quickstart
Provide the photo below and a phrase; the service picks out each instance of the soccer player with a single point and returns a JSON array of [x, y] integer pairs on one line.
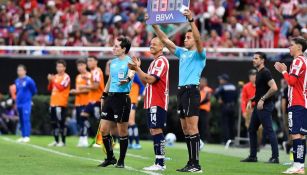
[[116, 102], [297, 107], [95, 88], [81, 100], [59, 85], [192, 61], [156, 99], [262, 113], [137, 89], [25, 89]]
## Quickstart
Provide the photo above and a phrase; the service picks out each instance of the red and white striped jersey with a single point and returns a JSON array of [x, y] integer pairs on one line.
[[297, 82], [156, 94]]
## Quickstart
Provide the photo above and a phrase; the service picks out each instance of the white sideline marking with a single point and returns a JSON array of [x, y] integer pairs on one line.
[[135, 156], [73, 156]]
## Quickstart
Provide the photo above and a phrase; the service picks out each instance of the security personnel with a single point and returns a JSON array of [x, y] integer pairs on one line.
[[227, 95], [205, 107]]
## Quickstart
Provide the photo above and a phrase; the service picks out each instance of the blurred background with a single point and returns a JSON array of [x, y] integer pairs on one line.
[[231, 31]]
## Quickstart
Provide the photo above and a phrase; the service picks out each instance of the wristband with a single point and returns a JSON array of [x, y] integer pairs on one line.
[[129, 79], [191, 20]]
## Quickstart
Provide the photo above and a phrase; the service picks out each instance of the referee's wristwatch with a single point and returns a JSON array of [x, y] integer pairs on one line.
[[262, 98], [191, 20]]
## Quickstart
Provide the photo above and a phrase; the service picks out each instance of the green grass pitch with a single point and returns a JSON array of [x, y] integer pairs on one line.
[[36, 158]]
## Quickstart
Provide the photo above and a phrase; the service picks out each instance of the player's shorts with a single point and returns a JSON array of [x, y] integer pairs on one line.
[[79, 110], [156, 117], [57, 113], [188, 101], [297, 118], [133, 106], [93, 109], [116, 107]]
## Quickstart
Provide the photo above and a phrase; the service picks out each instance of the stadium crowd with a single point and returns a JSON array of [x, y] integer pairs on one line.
[[223, 23]]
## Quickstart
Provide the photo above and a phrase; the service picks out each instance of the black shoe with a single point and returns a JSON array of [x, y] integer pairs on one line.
[[184, 168], [193, 169], [249, 159], [108, 162], [273, 160], [120, 164]]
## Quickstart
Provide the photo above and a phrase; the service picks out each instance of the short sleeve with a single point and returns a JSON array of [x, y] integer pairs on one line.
[[178, 52], [267, 76], [296, 67], [202, 55], [65, 82], [96, 76], [158, 68]]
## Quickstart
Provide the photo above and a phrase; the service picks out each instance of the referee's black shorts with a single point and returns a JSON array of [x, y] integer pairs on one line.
[[188, 101], [116, 107]]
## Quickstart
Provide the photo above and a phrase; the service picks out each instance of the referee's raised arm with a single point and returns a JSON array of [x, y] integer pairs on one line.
[[194, 29]]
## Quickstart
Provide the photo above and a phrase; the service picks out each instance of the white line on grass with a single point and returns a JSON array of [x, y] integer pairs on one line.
[[135, 156], [73, 156]]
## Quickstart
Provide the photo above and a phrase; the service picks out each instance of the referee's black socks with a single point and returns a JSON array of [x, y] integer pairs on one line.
[[188, 142], [195, 147], [123, 143], [107, 141]]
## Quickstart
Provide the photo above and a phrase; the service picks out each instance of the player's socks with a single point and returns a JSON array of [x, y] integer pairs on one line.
[[304, 146], [298, 150], [130, 134], [195, 146], [123, 142], [84, 126], [107, 141], [188, 142], [159, 146], [56, 132], [136, 134], [63, 134]]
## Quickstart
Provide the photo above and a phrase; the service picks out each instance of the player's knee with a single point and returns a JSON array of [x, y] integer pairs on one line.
[[131, 122], [84, 114], [296, 136], [156, 131], [193, 130], [104, 129]]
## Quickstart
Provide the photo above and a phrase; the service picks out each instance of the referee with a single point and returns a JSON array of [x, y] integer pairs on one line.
[[192, 61], [116, 102], [262, 113]]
